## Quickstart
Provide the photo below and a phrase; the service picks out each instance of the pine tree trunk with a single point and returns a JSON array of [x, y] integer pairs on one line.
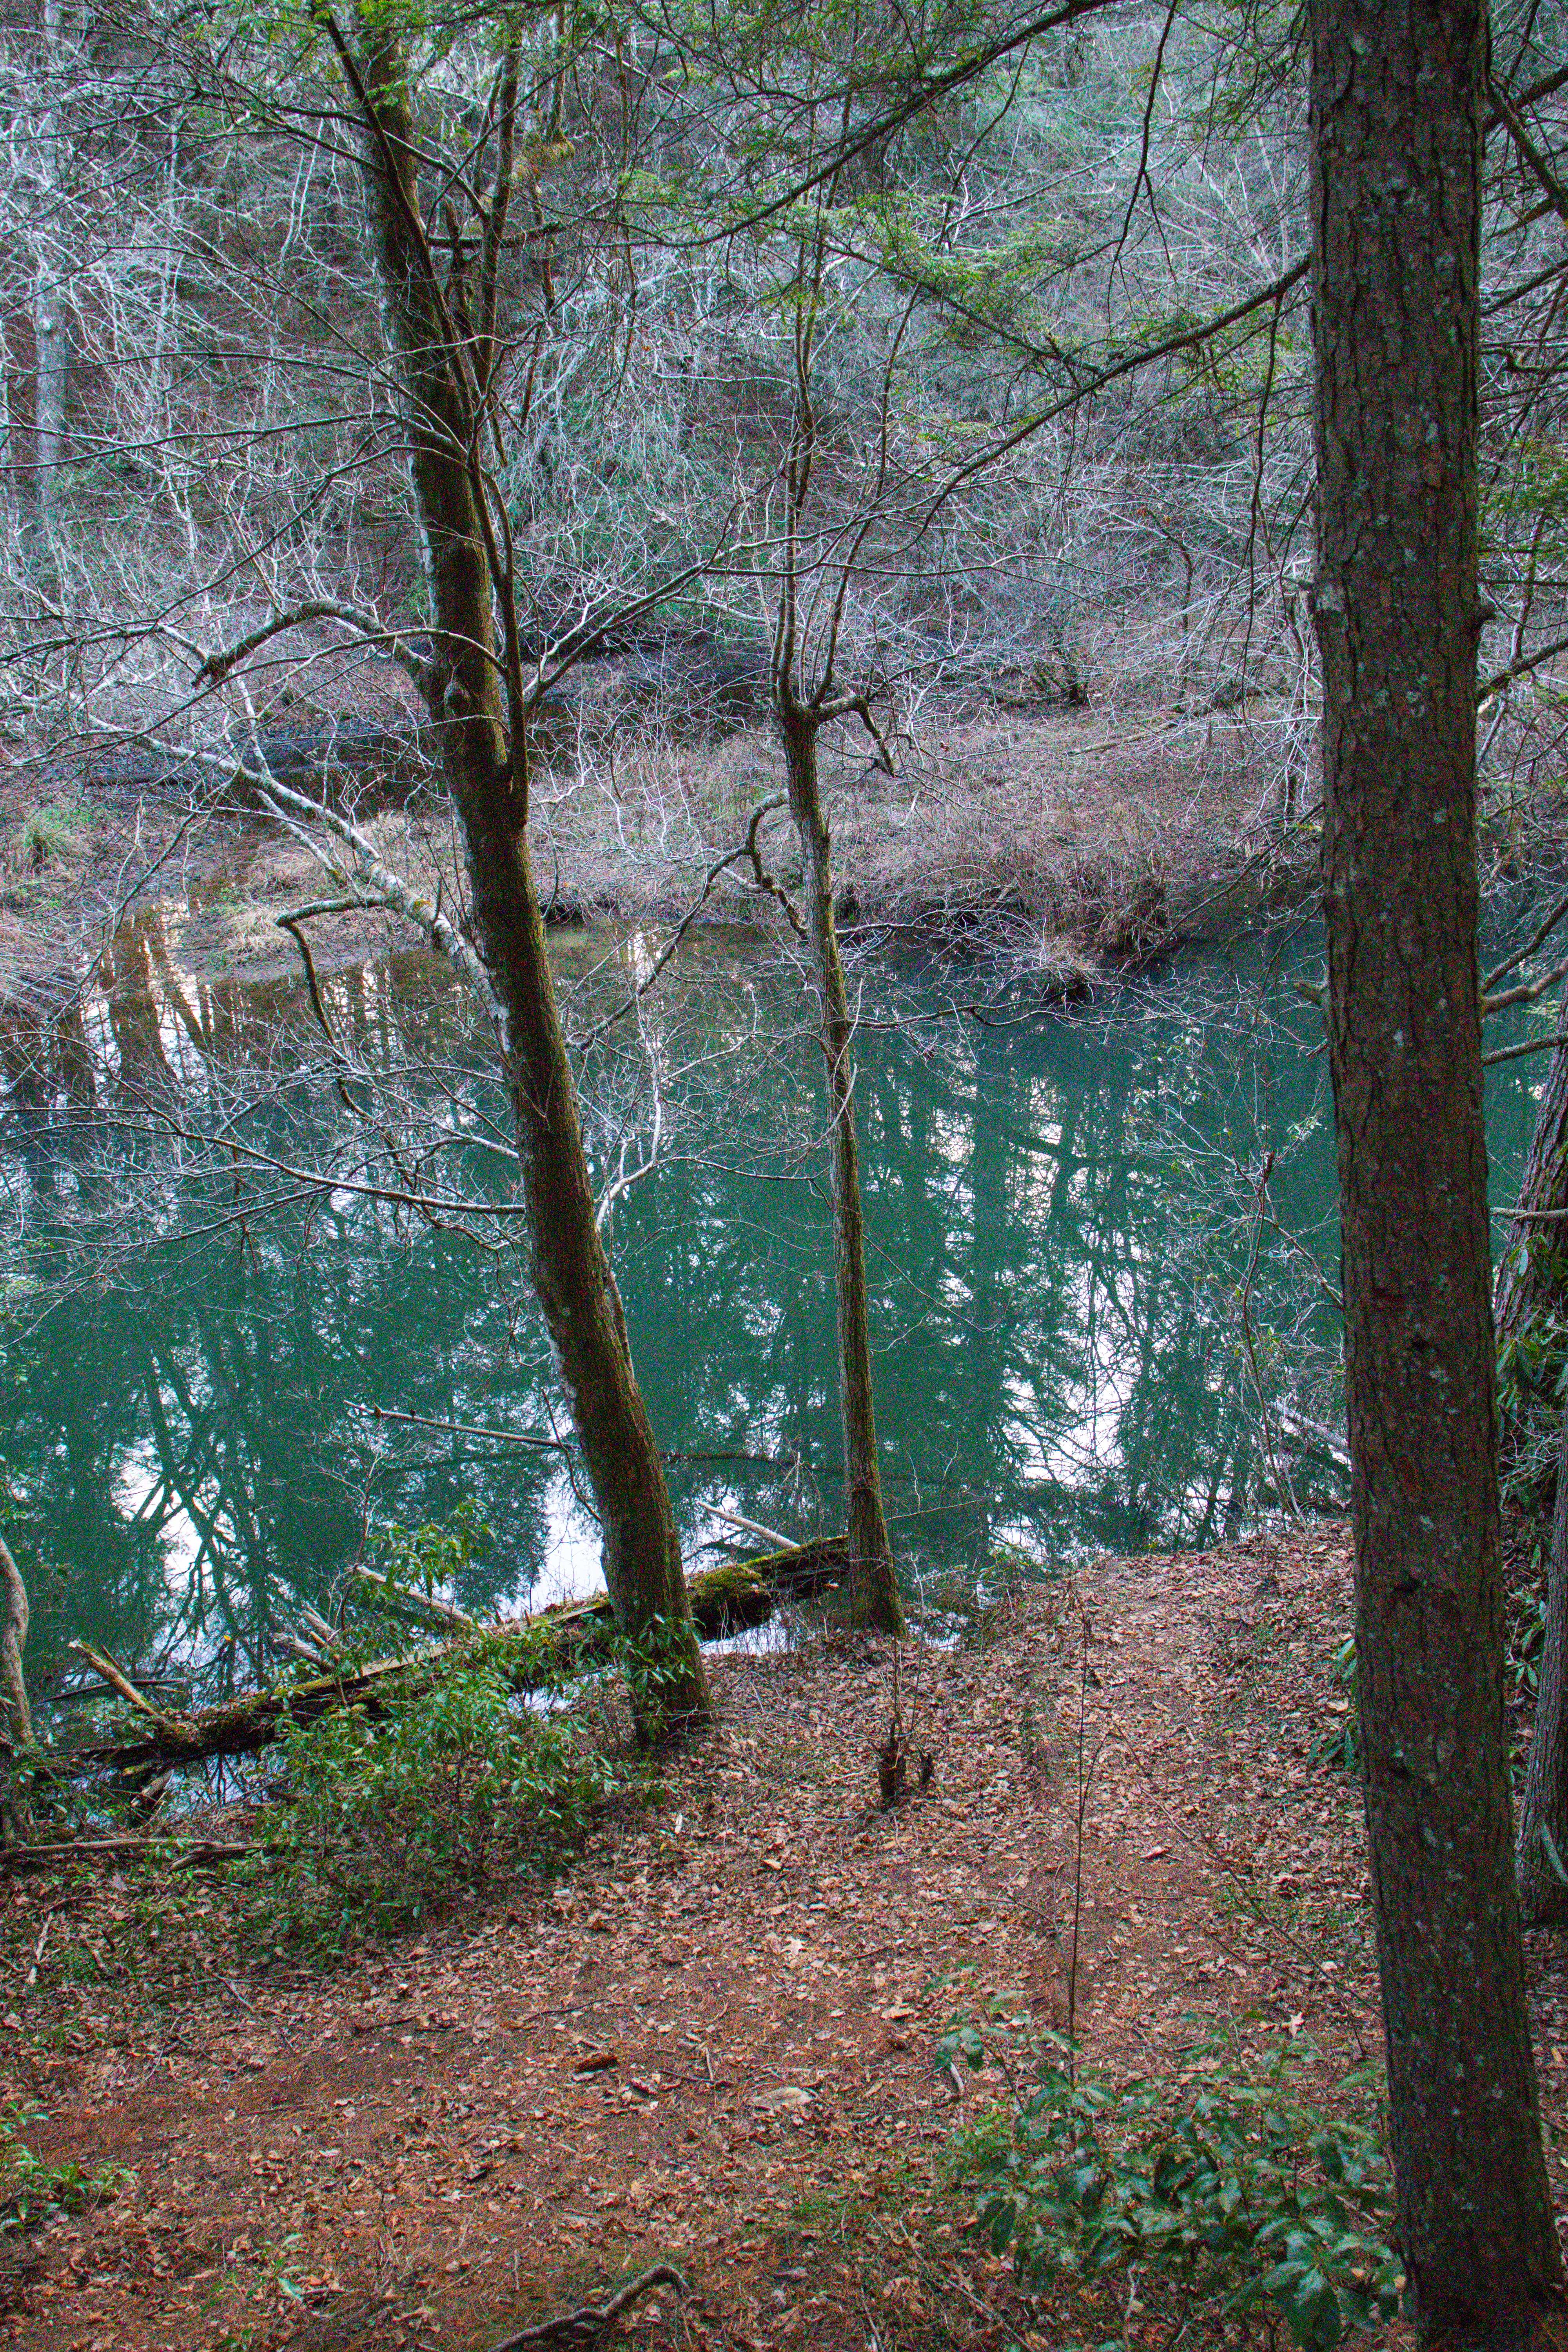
[[1543, 1808], [873, 1587], [488, 780], [1397, 113]]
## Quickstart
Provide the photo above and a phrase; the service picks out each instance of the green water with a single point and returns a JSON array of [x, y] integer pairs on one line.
[[1058, 1206]]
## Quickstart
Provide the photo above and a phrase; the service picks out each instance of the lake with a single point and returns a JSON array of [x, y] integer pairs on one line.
[[1077, 1302]]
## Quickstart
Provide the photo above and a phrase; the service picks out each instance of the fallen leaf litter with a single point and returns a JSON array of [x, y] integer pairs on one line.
[[714, 2047]]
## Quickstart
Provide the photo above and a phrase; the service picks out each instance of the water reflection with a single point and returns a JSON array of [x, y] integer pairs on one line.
[[192, 1440]]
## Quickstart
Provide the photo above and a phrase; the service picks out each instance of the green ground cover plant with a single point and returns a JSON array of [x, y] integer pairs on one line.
[[1223, 2183], [32, 2191], [381, 1821]]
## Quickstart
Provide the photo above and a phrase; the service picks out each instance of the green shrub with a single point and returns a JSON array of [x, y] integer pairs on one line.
[[1225, 2186], [31, 2191], [428, 1559], [451, 1788]]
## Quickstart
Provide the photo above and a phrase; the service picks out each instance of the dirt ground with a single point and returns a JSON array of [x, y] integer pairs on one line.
[[713, 2044]]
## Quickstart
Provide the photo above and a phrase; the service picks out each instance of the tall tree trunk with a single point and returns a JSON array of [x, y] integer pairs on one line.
[[50, 338], [1543, 1808], [873, 1587], [488, 776], [1397, 98], [1533, 1279], [13, 1619], [17, 1715]]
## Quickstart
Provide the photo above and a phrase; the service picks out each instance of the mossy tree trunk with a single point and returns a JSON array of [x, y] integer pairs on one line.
[[445, 371]]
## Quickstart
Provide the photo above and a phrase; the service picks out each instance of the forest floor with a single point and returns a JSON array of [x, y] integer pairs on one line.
[[1072, 842], [712, 2043]]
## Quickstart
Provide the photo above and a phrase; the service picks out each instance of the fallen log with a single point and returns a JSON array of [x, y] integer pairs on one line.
[[724, 1602]]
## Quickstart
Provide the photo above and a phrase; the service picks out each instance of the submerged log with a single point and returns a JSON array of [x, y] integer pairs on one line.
[[724, 1600]]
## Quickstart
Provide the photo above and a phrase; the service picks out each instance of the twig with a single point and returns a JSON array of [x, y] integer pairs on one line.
[[753, 1528], [1514, 1052], [31, 1983], [329, 1637], [471, 1429], [1548, 924], [590, 2319], [400, 1595], [185, 1851], [1527, 992], [118, 1680]]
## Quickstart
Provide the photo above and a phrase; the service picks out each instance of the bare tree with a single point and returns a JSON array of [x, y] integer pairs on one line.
[[807, 699]]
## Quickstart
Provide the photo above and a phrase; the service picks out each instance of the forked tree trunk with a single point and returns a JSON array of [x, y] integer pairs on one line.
[[488, 780], [1543, 1808], [873, 1587], [1397, 96]]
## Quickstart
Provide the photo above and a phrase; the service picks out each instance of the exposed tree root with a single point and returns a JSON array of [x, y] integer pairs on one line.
[[589, 2321]]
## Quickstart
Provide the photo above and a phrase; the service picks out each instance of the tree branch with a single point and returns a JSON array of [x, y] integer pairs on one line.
[[376, 883], [218, 665]]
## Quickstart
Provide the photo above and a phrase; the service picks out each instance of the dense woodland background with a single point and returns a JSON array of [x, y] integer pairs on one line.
[[1056, 269]]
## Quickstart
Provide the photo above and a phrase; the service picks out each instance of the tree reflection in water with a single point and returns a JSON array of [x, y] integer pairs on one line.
[[1056, 1248]]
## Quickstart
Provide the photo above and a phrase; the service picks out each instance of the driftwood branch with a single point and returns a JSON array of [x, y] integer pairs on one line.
[[170, 1727], [589, 2321], [398, 1599]]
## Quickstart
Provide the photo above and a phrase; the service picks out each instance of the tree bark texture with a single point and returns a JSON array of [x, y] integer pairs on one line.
[[873, 1587], [1543, 1807], [487, 775], [1398, 88]]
